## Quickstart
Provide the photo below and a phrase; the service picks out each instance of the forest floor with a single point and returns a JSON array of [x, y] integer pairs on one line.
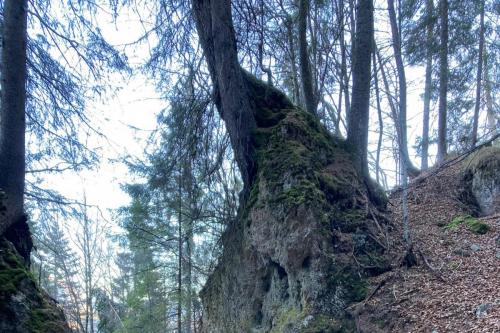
[[456, 285]]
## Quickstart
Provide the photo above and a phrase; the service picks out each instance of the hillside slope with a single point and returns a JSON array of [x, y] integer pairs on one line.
[[456, 286]]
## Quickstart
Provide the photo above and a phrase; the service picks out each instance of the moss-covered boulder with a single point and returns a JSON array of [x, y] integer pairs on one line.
[[472, 223], [24, 308], [305, 239]]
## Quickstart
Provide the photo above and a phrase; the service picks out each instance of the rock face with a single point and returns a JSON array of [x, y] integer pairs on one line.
[[24, 308], [483, 173], [305, 238]]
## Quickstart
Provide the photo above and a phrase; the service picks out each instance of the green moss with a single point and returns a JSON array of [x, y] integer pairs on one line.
[[290, 152], [300, 164], [472, 223], [478, 227], [261, 137], [285, 318], [265, 96], [356, 287], [15, 278], [268, 118], [10, 279], [325, 324], [348, 283], [335, 188], [293, 319], [12, 270], [45, 320]]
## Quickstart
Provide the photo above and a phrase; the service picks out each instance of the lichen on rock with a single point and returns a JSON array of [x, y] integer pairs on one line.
[[305, 236]]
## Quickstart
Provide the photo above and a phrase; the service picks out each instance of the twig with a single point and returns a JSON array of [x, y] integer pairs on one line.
[[357, 308], [491, 217], [428, 265]]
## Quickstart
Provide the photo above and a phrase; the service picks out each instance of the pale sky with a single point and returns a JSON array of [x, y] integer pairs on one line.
[[136, 103]]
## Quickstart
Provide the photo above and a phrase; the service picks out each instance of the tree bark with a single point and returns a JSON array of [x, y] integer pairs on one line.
[[179, 253], [401, 115], [216, 32], [305, 66], [190, 218], [477, 105], [428, 86], [357, 118], [293, 65], [443, 81], [380, 121], [490, 113], [12, 111], [344, 79]]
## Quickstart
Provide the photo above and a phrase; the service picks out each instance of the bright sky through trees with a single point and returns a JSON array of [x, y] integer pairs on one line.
[[128, 115]]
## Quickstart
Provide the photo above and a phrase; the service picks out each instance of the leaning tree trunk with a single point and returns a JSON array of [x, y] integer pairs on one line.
[[357, 118], [443, 81], [12, 111], [216, 33]]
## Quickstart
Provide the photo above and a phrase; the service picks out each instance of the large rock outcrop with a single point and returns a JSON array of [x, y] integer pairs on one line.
[[482, 171], [306, 237], [24, 307]]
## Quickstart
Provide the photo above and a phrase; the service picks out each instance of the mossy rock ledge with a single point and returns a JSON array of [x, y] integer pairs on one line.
[[24, 307], [303, 244], [482, 176]]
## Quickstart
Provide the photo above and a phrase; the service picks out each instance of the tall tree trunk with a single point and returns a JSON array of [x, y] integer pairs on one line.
[[344, 78], [12, 111], [490, 113], [428, 85], [443, 81], [87, 249], [393, 112], [190, 218], [293, 57], [305, 66], [179, 250], [478, 77], [380, 121], [401, 115], [357, 119], [216, 32], [263, 68]]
